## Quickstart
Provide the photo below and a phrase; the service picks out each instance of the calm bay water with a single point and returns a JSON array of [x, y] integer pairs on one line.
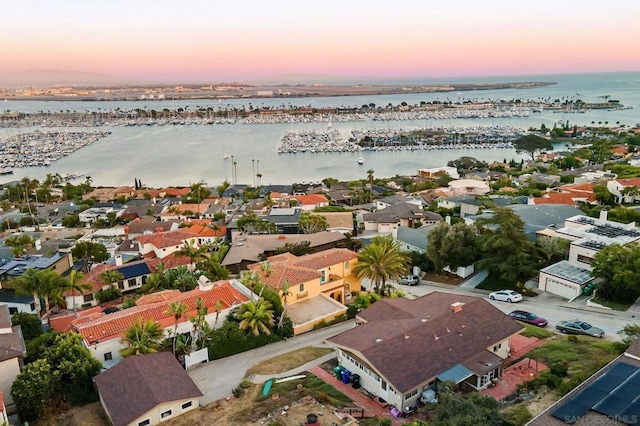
[[180, 155]]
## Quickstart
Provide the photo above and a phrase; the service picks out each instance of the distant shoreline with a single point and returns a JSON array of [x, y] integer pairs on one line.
[[160, 93]]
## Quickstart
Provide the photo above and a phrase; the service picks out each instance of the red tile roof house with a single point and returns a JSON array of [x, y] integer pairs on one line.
[[102, 332], [312, 201], [163, 390], [403, 347], [625, 190], [4, 417]]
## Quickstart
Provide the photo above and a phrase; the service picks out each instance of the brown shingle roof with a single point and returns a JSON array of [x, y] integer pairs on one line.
[[411, 341], [159, 378]]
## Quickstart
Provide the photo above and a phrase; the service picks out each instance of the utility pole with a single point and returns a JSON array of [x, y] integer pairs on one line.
[[233, 180], [253, 170]]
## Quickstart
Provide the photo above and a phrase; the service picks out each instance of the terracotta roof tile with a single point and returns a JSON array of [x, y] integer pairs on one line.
[[107, 327], [629, 182], [167, 239], [311, 199]]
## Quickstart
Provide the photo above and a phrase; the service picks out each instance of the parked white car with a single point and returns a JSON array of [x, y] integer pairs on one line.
[[506, 296]]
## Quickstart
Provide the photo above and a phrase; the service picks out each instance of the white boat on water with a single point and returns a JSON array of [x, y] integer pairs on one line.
[[360, 160], [225, 157]]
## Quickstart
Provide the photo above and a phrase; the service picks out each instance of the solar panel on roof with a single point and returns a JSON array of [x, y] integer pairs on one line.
[[607, 383], [570, 412], [627, 391], [635, 378], [631, 414], [590, 396], [611, 406], [622, 369]]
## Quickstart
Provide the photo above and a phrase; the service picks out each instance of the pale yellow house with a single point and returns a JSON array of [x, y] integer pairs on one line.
[[319, 284]]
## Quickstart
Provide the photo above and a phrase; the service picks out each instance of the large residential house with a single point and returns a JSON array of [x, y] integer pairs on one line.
[[404, 347], [163, 390], [382, 203], [403, 214], [16, 267], [102, 332], [16, 303], [248, 249], [626, 191], [94, 214], [312, 201], [286, 220], [588, 236], [12, 353], [338, 221], [319, 284]]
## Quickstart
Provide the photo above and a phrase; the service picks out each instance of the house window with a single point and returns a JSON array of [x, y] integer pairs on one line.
[[88, 297], [187, 405], [121, 285], [144, 280], [108, 356], [585, 259], [166, 414], [323, 276], [496, 347], [346, 265], [13, 311], [131, 282], [301, 288], [33, 306], [145, 422]]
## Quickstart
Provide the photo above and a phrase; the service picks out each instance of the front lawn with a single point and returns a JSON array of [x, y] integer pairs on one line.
[[613, 305], [534, 331], [288, 361]]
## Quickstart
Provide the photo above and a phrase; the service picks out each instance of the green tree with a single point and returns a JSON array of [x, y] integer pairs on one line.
[[508, 254], [19, 244], [380, 262], [618, 268], [52, 286], [31, 283], [89, 252], [32, 389], [75, 284], [257, 317], [298, 249], [251, 280], [466, 410], [223, 187], [552, 249], [177, 310], [603, 195], [142, 338], [252, 224], [285, 294], [532, 144], [30, 324], [312, 223], [195, 254], [111, 277], [452, 246]]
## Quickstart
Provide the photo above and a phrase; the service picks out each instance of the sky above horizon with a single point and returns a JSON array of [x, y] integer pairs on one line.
[[210, 41]]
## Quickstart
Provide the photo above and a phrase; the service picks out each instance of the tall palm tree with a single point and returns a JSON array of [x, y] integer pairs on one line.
[[251, 280], [177, 309], [31, 283], [194, 253], [256, 317], [111, 277], [266, 269], [18, 244], [75, 283], [52, 286], [218, 310], [213, 270], [381, 261], [142, 338], [285, 293]]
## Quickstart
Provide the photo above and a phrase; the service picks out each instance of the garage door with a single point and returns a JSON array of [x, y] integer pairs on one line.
[[561, 289]]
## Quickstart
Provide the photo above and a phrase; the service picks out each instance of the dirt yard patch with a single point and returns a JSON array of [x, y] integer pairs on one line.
[[90, 414], [443, 278], [288, 361], [288, 406]]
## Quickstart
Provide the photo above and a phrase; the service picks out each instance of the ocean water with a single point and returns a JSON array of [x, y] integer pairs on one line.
[[180, 155]]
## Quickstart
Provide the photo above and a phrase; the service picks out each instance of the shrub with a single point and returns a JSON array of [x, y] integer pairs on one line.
[[352, 311], [108, 295], [245, 384], [29, 323], [572, 339], [570, 384], [237, 392], [558, 369], [550, 380]]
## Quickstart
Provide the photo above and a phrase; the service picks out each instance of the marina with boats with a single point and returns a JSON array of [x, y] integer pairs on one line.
[[41, 148]]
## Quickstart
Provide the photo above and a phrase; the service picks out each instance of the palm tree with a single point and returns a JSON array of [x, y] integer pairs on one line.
[[142, 338], [194, 253], [381, 261], [75, 283], [18, 244], [213, 270], [177, 309], [266, 269], [31, 283], [256, 317], [251, 279], [285, 294], [111, 277], [52, 285], [218, 309]]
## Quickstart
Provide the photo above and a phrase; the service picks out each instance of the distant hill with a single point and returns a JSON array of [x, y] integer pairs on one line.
[[310, 79], [50, 78]]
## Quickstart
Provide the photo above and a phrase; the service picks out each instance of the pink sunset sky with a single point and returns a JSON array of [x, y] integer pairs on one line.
[[222, 40]]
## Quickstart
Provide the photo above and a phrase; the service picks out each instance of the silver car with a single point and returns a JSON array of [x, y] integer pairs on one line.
[[579, 327]]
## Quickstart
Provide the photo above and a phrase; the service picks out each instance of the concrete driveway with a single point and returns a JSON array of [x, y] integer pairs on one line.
[[217, 378]]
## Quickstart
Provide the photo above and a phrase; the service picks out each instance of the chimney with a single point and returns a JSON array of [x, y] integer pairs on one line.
[[118, 260], [531, 201], [603, 215], [204, 284], [456, 307]]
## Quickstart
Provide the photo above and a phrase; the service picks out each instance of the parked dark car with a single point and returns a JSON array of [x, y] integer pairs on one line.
[[409, 280], [579, 327], [529, 318]]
